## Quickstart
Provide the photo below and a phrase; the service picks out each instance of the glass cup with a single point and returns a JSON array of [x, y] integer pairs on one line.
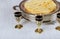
[[38, 22], [58, 19], [18, 16]]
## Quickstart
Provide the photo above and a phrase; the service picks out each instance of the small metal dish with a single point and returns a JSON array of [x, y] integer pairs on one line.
[[31, 17]]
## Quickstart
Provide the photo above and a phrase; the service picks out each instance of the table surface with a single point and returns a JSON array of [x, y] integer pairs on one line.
[[8, 22]]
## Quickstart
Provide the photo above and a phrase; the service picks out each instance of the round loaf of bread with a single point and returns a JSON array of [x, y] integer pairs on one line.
[[40, 6]]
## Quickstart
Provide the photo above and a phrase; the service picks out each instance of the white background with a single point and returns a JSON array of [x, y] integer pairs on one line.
[[8, 22]]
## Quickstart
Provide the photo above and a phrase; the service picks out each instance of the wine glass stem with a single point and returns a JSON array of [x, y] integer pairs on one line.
[[38, 24], [59, 23], [18, 23], [18, 20]]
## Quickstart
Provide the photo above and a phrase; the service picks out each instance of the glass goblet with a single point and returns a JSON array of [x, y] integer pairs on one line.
[[58, 19], [38, 22], [18, 16]]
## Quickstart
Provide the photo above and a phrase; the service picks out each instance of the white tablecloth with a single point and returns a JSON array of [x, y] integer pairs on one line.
[[8, 22]]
